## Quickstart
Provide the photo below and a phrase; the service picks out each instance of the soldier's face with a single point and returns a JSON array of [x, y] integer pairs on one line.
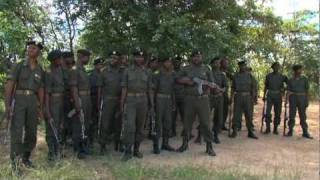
[[276, 68], [139, 60], [197, 59], [69, 62], [115, 60], [217, 64], [167, 64], [243, 68], [98, 66], [154, 65], [124, 60], [84, 59], [33, 51], [298, 72], [58, 62], [224, 63]]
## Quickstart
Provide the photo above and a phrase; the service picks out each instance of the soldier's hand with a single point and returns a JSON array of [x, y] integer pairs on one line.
[[264, 99]]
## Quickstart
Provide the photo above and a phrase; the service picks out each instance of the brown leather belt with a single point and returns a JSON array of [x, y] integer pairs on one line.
[[136, 94], [25, 92], [110, 97], [56, 94], [84, 93], [274, 92], [163, 95], [199, 97], [299, 94], [243, 93]]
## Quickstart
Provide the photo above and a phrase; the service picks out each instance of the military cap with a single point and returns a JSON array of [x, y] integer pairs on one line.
[[195, 52], [67, 54], [215, 59], [54, 54], [275, 64], [296, 67], [138, 52], [98, 61], [38, 44], [84, 52], [241, 63], [154, 58], [116, 53]]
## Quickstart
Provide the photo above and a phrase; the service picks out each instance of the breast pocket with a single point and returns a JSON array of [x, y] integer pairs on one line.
[[24, 75]]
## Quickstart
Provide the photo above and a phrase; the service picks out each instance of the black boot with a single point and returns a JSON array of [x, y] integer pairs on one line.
[[127, 153], [275, 130], [136, 150], [166, 146], [252, 135], [234, 133], [184, 145], [198, 139], [156, 149], [306, 134], [268, 129], [209, 149], [26, 160], [216, 138], [224, 128], [290, 133]]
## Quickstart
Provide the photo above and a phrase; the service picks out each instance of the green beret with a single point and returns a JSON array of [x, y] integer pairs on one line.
[[138, 52], [296, 67], [241, 63], [275, 64], [67, 54], [214, 59], [84, 52], [98, 61], [38, 44], [195, 52], [116, 53], [54, 54]]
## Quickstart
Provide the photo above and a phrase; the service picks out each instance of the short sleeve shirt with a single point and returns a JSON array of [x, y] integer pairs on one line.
[[54, 80], [298, 85], [137, 80], [79, 78]]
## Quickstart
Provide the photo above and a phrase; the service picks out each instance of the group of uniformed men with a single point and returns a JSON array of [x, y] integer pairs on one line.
[[113, 102]]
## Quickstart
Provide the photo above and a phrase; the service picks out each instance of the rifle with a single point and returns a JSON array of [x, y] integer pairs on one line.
[[100, 117], [263, 118], [152, 118], [82, 121], [9, 120], [286, 118], [123, 119], [54, 130], [230, 116], [201, 82]]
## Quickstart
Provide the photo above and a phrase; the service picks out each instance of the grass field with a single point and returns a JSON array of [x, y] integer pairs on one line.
[[269, 158]]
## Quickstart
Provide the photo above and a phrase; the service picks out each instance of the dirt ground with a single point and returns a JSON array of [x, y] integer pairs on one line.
[[271, 154]]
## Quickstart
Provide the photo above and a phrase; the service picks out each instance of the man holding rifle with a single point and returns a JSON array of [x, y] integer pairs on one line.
[[298, 87], [25, 85], [272, 96], [80, 88], [196, 103], [54, 94]]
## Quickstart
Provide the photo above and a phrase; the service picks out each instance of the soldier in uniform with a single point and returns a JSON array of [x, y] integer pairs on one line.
[[164, 97], [54, 99], [298, 87], [196, 103], [25, 86], [225, 69], [273, 91], [68, 64], [110, 94], [136, 88], [243, 93], [179, 97], [80, 87], [94, 77], [217, 97]]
